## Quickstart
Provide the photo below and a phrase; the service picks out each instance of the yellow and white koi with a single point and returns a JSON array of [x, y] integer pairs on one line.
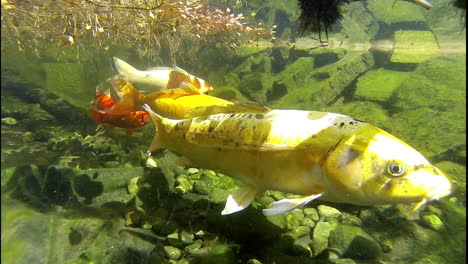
[[158, 78], [314, 154]]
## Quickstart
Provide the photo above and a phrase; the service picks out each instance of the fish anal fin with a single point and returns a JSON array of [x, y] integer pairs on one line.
[[155, 144], [286, 205], [240, 199]]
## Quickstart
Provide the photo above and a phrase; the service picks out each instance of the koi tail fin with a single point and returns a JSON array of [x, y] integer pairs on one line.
[[158, 125]]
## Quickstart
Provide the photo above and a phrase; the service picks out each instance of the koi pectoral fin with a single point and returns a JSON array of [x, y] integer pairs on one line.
[[240, 199], [286, 205]]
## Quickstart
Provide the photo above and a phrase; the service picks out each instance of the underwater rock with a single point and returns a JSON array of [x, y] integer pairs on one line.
[[354, 243], [439, 83], [320, 236], [16, 143], [25, 233], [402, 11], [326, 84], [172, 252], [432, 221], [215, 252], [9, 121], [413, 46], [17, 108], [379, 84], [426, 130], [312, 214], [358, 24], [326, 213], [256, 85], [296, 74], [105, 187]]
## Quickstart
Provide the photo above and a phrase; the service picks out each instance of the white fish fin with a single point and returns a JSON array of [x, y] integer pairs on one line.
[[240, 199], [286, 205], [124, 68], [157, 120]]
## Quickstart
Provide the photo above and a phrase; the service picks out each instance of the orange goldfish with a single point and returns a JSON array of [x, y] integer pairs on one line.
[[110, 113], [127, 113]]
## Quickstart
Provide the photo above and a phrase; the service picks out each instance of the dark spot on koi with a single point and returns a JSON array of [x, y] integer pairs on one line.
[[259, 116], [341, 124]]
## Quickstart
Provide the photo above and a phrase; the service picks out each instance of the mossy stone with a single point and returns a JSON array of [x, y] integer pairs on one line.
[[312, 214], [296, 74], [379, 84], [9, 121], [439, 84], [432, 221], [320, 236], [172, 252], [327, 212], [298, 232], [353, 242], [218, 195], [413, 46], [427, 131]]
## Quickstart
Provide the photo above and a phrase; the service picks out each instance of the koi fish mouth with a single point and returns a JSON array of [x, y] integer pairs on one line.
[[434, 195]]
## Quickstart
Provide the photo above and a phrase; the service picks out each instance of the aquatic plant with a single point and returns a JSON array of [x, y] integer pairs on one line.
[[148, 25]]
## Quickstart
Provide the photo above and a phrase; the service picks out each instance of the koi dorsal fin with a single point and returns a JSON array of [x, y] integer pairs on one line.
[[237, 107]]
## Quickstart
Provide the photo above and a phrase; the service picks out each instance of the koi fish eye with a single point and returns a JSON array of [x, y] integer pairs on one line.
[[395, 169]]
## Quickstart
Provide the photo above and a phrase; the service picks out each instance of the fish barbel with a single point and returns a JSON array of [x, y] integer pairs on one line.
[[314, 154], [159, 78]]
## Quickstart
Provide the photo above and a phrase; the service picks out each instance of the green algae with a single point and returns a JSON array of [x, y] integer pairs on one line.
[[379, 85], [426, 130], [413, 46]]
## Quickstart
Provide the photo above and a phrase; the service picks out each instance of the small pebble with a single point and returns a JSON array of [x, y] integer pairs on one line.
[[172, 252]]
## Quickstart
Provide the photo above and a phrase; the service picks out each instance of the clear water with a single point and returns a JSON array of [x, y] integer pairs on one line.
[[74, 192]]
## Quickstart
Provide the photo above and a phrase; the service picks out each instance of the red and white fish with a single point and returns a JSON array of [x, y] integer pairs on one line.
[[159, 78]]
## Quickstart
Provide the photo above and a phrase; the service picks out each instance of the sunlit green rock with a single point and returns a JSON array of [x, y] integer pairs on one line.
[[320, 236], [379, 84], [413, 46], [432, 221], [439, 83], [325, 84]]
